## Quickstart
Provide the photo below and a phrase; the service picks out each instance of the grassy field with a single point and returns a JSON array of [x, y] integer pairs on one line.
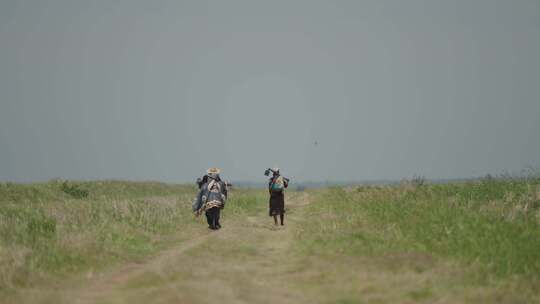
[[122, 242], [469, 242], [58, 228]]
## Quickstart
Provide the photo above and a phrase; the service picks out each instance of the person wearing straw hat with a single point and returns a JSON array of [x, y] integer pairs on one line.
[[211, 198], [276, 188]]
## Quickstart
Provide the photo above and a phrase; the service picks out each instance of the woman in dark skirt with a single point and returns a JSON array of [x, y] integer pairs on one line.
[[276, 187]]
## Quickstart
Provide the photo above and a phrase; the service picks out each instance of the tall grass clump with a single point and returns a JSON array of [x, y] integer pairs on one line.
[[73, 190]]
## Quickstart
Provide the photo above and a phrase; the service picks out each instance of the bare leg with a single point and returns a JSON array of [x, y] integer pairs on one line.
[[281, 218], [275, 219]]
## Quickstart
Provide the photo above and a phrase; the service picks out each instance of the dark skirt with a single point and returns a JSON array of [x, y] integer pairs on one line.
[[277, 203], [212, 216]]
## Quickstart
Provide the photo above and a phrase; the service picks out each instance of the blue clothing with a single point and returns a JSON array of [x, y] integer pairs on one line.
[[208, 195]]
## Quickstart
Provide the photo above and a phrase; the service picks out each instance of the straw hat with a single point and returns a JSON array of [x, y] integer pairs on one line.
[[213, 171]]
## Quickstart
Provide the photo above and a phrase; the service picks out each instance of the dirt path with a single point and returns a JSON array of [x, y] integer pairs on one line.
[[245, 262], [100, 288]]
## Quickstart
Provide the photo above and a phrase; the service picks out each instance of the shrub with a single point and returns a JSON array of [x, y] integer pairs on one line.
[[74, 190]]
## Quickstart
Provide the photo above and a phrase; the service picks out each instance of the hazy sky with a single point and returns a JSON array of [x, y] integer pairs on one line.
[[161, 90]]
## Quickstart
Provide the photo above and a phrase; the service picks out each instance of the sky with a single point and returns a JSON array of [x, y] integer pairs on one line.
[[324, 90]]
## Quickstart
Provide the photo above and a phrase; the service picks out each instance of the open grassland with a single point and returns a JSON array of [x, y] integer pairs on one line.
[[53, 229], [474, 242], [471, 242]]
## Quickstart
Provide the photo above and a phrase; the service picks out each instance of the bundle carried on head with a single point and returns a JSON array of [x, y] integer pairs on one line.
[[277, 182], [273, 170]]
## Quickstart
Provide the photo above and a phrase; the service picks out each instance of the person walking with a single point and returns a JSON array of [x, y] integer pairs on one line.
[[211, 198], [276, 188]]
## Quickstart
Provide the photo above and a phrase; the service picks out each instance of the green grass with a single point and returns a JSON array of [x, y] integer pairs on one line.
[[58, 228], [473, 242], [246, 202], [492, 225]]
